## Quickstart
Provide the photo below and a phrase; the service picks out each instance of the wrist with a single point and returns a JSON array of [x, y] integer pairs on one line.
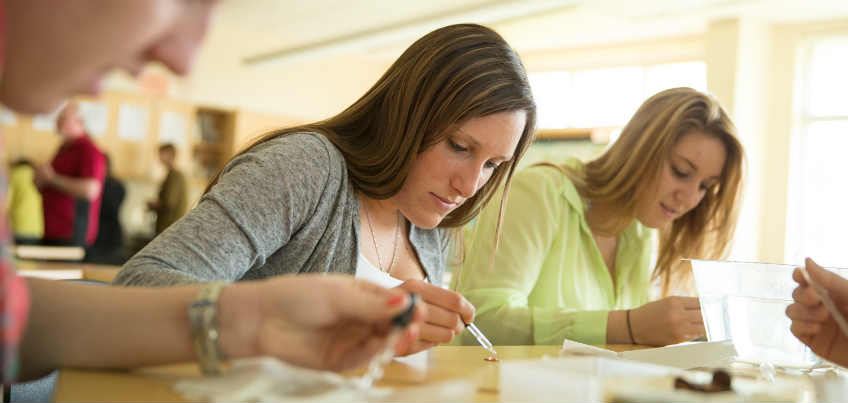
[[238, 313], [637, 319], [617, 328]]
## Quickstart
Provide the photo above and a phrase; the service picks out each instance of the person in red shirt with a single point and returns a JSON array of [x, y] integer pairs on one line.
[[56, 49], [71, 185]]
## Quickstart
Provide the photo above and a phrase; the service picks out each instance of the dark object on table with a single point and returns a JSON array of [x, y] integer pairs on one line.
[[720, 383]]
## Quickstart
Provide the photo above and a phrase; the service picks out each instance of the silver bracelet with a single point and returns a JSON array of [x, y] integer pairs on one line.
[[203, 317]]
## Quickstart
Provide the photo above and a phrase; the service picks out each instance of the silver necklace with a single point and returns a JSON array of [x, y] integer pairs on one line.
[[374, 240]]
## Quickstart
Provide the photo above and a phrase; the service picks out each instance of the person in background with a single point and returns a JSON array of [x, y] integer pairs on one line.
[[325, 322], [812, 323], [108, 248], [27, 218], [72, 184], [374, 191], [575, 259], [172, 202]]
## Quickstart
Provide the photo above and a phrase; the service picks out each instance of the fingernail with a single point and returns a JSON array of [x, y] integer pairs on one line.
[[396, 300]]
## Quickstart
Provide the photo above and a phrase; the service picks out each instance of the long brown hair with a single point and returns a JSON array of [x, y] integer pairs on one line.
[[619, 175], [448, 76]]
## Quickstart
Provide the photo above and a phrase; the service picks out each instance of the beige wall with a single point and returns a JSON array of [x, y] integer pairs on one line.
[[738, 69], [751, 67]]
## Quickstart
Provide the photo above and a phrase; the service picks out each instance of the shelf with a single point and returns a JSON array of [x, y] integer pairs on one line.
[[208, 148], [564, 134]]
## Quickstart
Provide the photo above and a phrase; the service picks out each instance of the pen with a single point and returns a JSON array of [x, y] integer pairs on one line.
[[481, 338]]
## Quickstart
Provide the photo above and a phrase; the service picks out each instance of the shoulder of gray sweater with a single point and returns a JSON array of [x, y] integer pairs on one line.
[[311, 150]]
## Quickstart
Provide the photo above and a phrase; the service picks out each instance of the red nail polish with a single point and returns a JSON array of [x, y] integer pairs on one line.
[[396, 300]]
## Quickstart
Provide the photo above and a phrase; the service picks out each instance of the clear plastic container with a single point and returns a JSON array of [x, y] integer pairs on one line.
[[746, 303]]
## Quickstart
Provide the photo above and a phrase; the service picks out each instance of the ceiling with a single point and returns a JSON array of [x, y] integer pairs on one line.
[[309, 59], [287, 31]]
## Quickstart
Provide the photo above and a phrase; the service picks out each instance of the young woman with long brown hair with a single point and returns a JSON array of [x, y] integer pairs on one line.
[[575, 259], [372, 191]]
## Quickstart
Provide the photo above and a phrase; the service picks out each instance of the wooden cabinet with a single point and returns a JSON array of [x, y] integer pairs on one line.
[[22, 140], [214, 146]]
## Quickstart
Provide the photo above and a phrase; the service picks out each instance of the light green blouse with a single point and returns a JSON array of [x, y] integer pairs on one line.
[[549, 281]]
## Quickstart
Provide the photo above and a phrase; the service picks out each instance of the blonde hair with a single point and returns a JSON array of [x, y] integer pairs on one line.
[[450, 75], [619, 175]]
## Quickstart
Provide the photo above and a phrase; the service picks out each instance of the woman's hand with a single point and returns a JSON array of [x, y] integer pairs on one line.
[[811, 322], [330, 322], [447, 314], [666, 321]]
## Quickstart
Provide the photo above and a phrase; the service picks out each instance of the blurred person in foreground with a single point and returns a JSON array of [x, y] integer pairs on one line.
[[326, 322]]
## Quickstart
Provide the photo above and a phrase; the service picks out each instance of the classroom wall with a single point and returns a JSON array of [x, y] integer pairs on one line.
[[737, 73], [305, 91], [751, 67]]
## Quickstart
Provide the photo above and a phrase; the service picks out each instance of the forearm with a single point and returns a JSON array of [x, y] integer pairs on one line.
[[83, 188], [75, 325]]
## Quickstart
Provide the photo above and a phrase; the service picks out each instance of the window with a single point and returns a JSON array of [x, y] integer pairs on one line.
[[606, 97], [817, 219]]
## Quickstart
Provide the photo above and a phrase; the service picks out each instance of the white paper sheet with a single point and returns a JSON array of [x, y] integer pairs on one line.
[[132, 122], [569, 379], [95, 116], [7, 117], [46, 122], [172, 128], [684, 355]]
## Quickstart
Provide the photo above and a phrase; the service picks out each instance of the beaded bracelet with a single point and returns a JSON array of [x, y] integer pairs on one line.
[[203, 317], [630, 329]]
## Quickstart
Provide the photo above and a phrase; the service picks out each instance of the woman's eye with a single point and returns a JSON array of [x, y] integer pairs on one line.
[[492, 165], [679, 173], [457, 147]]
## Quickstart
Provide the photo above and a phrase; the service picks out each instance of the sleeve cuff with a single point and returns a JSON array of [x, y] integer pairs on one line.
[[588, 327]]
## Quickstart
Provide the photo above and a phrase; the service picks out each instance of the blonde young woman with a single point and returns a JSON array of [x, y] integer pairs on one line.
[[574, 257], [372, 191]]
